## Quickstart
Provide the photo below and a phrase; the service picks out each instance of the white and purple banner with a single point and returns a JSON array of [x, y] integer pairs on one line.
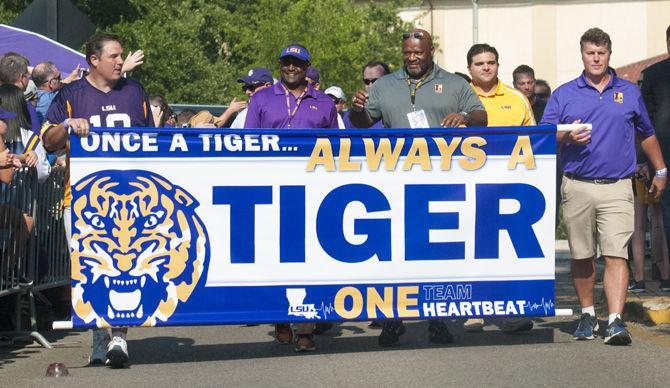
[[194, 227]]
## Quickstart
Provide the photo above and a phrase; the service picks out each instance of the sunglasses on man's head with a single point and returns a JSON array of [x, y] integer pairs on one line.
[[369, 81], [415, 35]]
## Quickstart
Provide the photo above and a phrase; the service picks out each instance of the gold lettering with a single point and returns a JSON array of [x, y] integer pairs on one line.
[[474, 157], [356, 307], [345, 164], [404, 302], [383, 150], [418, 154], [522, 153], [446, 151], [322, 154], [375, 301]]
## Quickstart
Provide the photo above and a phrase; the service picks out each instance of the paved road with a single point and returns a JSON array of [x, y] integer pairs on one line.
[[349, 356]]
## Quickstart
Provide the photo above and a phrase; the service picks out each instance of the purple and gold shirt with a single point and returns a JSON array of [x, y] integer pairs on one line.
[[616, 114], [127, 105], [275, 107]]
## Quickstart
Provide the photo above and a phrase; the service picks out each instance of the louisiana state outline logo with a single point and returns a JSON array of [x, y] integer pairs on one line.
[[138, 248]]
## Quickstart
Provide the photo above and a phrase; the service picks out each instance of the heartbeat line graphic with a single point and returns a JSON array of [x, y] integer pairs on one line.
[[326, 309], [546, 305]]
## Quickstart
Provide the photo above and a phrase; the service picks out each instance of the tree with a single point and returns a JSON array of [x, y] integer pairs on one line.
[[197, 49]]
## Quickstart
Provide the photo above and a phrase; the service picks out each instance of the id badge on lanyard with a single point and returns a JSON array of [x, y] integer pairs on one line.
[[416, 118]]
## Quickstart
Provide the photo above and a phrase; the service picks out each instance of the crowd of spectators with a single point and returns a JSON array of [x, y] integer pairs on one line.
[[27, 93]]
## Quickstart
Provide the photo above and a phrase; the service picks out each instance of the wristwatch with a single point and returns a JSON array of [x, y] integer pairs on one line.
[[466, 115], [662, 173]]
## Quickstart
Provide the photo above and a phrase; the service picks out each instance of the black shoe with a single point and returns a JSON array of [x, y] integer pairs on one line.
[[665, 285], [438, 333], [322, 327], [391, 332], [375, 325], [636, 287]]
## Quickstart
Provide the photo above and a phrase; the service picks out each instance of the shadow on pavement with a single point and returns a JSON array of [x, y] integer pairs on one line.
[[161, 350]]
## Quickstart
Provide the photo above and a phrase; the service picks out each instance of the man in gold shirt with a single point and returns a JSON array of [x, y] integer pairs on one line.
[[505, 107]]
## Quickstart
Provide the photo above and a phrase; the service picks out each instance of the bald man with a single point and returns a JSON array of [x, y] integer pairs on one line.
[[420, 95]]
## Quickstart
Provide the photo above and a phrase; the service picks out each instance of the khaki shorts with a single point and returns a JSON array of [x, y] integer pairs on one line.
[[598, 213]]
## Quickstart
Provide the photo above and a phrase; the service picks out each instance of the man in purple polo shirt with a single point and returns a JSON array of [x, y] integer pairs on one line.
[[292, 103], [597, 167]]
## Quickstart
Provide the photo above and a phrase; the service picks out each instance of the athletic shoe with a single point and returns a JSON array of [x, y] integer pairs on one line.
[[283, 333], [99, 353], [375, 325], [586, 328], [474, 325], [117, 352], [665, 285], [438, 332], [322, 327], [516, 325], [391, 332], [636, 287], [617, 333], [304, 343]]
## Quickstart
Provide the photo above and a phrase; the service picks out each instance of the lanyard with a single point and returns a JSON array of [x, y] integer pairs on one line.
[[412, 91], [288, 104]]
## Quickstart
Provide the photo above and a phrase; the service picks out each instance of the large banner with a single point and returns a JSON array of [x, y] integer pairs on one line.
[[193, 227]]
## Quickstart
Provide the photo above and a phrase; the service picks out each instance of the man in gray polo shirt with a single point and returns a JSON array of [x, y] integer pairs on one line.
[[420, 95]]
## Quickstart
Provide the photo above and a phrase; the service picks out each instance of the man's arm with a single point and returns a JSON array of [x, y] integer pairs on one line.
[[652, 150], [358, 115], [55, 137]]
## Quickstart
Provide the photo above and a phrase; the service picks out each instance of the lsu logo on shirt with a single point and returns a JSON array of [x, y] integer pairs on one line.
[[618, 97], [438, 88], [138, 248]]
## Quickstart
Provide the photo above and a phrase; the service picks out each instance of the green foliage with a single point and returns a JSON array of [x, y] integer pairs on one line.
[[197, 49]]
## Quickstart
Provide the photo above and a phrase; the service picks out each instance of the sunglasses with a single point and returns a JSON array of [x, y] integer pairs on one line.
[[251, 88], [335, 99], [415, 35], [369, 81]]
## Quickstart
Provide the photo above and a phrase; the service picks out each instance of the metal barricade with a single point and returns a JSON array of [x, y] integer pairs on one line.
[[33, 250]]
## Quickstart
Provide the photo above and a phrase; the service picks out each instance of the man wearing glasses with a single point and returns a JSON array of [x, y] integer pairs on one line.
[[257, 79], [420, 95], [47, 78], [292, 103], [372, 71]]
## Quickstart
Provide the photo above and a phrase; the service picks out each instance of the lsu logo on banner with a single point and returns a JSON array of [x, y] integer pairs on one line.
[[138, 248]]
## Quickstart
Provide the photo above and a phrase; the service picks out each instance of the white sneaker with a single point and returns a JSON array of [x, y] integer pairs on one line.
[[99, 353], [117, 352]]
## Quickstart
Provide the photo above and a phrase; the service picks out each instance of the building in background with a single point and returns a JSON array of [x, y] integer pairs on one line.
[[542, 33]]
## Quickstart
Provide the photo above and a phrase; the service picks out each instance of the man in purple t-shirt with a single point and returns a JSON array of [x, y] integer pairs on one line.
[[596, 187], [101, 99], [292, 103]]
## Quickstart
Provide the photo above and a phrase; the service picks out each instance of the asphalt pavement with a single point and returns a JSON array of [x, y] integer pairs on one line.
[[348, 356]]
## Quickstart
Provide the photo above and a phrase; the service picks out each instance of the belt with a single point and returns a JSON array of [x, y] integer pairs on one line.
[[597, 181]]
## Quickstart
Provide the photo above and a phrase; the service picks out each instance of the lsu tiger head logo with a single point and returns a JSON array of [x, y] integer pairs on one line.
[[138, 248]]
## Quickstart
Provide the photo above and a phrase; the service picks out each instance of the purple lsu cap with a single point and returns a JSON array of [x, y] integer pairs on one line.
[[297, 51], [257, 75], [313, 74], [4, 115]]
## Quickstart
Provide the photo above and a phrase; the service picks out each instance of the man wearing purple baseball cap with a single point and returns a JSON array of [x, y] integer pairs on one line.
[[314, 77], [258, 78], [292, 103]]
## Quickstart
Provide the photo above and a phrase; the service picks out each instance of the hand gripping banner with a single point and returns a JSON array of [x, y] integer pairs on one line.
[[190, 227]]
